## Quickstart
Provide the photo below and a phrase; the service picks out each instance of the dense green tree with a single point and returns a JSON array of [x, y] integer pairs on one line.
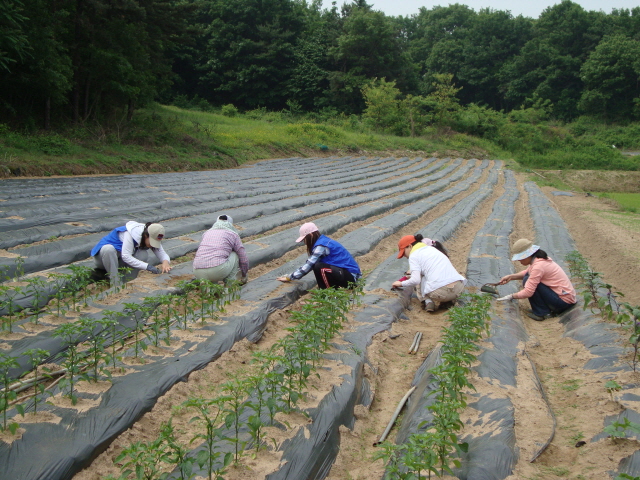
[[429, 27], [40, 81], [611, 76], [13, 41], [250, 51], [370, 46], [383, 107], [443, 100], [119, 52], [308, 84], [98, 57], [471, 46], [548, 66]]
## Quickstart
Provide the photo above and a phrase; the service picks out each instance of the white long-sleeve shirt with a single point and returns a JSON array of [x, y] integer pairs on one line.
[[431, 269], [134, 232]]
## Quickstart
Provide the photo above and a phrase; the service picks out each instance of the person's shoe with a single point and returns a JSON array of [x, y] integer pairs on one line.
[[537, 318], [428, 305]]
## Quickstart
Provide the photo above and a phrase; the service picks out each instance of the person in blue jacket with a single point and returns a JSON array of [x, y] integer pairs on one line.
[[331, 263], [127, 246]]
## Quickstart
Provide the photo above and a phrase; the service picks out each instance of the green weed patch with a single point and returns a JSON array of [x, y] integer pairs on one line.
[[628, 202]]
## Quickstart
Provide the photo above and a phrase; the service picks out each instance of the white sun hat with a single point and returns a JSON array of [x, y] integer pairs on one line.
[[523, 248]]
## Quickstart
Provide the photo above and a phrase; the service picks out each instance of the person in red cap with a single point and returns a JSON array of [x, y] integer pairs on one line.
[[432, 273], [331, 263], [127, 246]]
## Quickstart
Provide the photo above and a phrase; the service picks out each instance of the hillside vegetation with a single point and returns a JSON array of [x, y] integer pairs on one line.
[[164, 138]]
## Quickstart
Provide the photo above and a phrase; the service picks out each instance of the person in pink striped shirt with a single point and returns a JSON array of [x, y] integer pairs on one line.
[[221, 255], [545, 284]]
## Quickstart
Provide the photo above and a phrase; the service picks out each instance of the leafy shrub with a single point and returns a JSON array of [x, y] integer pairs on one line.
[[256, 114], [314, 131], [620, 136], [229, 110], [195, 103], [528, 115], [479, 121], [52, 144]]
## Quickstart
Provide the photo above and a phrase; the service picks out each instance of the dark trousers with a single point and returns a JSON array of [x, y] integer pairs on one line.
[[331, 276], [545, 301]]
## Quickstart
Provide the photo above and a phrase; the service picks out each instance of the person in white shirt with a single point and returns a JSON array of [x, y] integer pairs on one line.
[[432, 273], [127, 246]]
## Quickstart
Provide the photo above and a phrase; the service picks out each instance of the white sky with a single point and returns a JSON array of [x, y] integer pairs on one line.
[[531, 8]]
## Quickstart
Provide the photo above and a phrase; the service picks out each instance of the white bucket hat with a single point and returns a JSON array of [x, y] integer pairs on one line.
[[523, 248]]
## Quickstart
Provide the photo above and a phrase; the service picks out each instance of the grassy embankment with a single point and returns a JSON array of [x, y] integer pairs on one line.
[[163, 139]]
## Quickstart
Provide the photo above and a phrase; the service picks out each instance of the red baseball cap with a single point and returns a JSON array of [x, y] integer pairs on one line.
[[404, 242]]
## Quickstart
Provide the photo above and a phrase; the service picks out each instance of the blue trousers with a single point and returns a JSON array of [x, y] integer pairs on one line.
[[545, 301]]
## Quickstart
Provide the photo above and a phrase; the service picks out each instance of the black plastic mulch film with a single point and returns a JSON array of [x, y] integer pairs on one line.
[[492, 454], [65, 448], [489, 456], [600, 338], [276, 245], [257, 219], [310, 454]]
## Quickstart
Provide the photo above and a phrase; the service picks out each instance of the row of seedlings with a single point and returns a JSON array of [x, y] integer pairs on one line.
[[598, 296], [601, 337], [132, 311], [104, 343], [234, 418], [434, 449]]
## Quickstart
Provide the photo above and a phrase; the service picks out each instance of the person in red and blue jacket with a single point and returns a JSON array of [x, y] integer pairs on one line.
[[331, 263]]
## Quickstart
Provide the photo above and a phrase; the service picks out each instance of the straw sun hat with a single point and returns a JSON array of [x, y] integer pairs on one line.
[[523, 248]]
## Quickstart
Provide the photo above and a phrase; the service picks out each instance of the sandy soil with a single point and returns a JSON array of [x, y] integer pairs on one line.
[[577, 397]]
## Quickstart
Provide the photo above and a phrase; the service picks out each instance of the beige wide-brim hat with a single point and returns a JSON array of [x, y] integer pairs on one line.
[[156, 234], [522, 249]]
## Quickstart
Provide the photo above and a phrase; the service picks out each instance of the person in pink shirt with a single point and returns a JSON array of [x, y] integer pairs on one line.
[[221, 255], [545, 284]]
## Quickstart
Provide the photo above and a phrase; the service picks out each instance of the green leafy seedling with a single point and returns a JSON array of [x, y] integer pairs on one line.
[[612, 386]]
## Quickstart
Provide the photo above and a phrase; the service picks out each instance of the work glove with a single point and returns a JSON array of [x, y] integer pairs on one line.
[[505, 298], [152, 269]]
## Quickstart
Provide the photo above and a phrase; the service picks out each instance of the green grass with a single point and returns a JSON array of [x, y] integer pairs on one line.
[[571, 385], [628, 202]]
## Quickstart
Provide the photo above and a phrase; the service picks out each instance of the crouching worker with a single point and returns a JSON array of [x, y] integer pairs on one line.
[[331, 263], [127, 247], [547, 287], [221, 255], [432, 273]]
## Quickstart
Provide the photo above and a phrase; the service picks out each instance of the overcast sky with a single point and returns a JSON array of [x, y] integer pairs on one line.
[[531, 8]]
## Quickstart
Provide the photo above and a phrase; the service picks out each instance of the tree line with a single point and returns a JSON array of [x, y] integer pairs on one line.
[[69, 61]]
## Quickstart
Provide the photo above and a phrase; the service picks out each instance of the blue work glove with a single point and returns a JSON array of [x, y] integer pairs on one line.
[[152, 269]]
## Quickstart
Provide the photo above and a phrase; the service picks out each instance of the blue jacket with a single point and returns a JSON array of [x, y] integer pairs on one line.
[[338, 255], [111, 239]]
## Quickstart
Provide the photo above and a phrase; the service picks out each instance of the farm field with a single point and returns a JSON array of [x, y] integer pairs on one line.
[[538, 387]]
